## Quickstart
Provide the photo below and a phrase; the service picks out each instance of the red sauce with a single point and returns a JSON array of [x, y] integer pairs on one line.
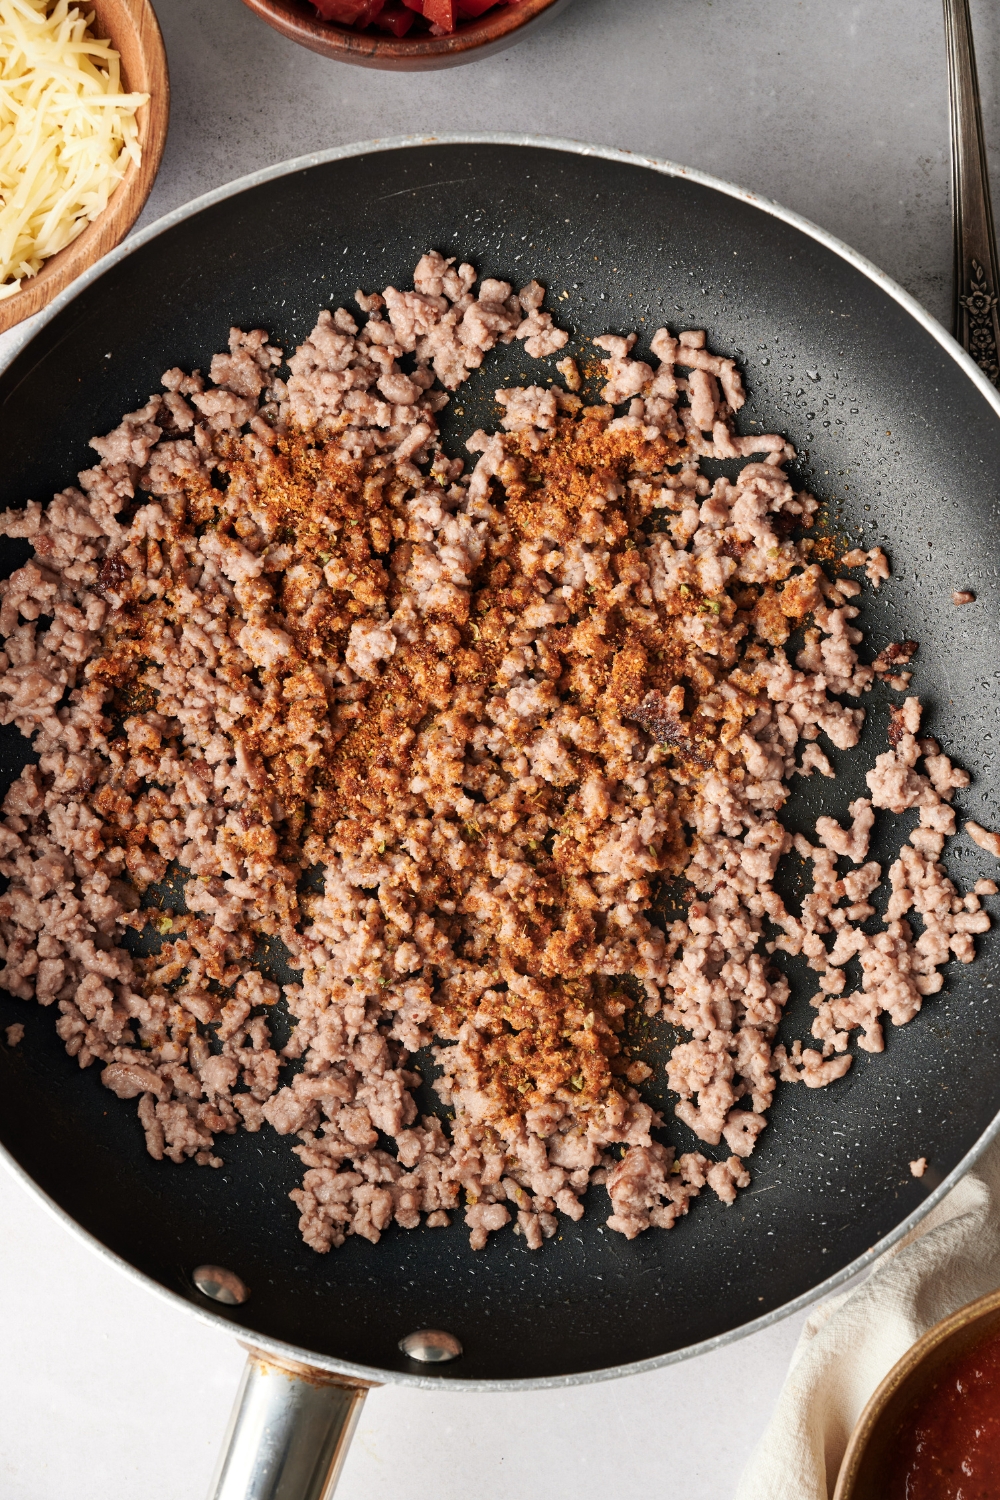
[[948, 1445]]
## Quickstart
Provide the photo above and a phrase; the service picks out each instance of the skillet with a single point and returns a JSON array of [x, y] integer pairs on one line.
[[897, 433]]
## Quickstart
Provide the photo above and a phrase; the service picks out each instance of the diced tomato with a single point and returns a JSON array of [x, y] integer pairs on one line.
[[349, 12], [395, 19], [440, 13], [396, 16]]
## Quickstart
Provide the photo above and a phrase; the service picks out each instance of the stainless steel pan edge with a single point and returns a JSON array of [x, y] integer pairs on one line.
[[362, 1373]]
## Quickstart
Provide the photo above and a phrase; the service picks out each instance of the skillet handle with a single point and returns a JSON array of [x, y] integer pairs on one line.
[[977, 272], [289, 1432]]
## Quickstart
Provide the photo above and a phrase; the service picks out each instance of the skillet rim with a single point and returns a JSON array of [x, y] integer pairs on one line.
[[373, 1374]]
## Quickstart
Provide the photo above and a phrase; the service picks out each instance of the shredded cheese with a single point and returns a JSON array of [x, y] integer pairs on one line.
[[67, 132]]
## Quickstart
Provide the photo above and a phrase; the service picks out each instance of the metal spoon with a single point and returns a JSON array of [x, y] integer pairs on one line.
[[976, 324]]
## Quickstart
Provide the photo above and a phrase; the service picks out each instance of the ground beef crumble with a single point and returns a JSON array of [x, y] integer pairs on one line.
[[443, 735]]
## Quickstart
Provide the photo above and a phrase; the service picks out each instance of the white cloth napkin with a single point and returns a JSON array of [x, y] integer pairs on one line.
[[851, 1342]]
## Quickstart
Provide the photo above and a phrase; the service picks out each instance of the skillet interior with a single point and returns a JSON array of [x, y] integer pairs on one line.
[[906, 450]]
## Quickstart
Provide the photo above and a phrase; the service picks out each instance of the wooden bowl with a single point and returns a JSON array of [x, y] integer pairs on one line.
[[493, 32], [864, 1473], [132, 29]]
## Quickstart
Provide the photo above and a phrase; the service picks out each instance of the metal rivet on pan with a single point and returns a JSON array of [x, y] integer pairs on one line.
[[221, 1285], [430, 1346]]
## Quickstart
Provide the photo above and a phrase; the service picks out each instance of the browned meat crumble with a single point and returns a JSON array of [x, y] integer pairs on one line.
[[282, 630], [984, 838]]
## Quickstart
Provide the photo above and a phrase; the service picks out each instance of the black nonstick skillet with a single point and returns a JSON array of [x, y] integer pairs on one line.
[[898, 433]]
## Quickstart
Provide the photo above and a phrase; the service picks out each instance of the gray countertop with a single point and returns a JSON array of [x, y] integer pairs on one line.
[[837, 110]]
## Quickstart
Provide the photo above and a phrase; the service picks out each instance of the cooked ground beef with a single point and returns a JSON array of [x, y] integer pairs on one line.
[[984, 838], [443, 735]]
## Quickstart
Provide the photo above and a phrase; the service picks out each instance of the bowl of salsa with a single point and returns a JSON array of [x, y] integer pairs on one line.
[[405, 35], [932, 1429]]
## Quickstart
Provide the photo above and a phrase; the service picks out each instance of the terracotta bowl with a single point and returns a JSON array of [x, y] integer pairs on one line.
[[864, 1474], [132, 29], [493, 32]]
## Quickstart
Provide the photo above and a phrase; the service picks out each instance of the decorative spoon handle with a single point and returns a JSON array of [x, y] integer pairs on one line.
[[976, 269]]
